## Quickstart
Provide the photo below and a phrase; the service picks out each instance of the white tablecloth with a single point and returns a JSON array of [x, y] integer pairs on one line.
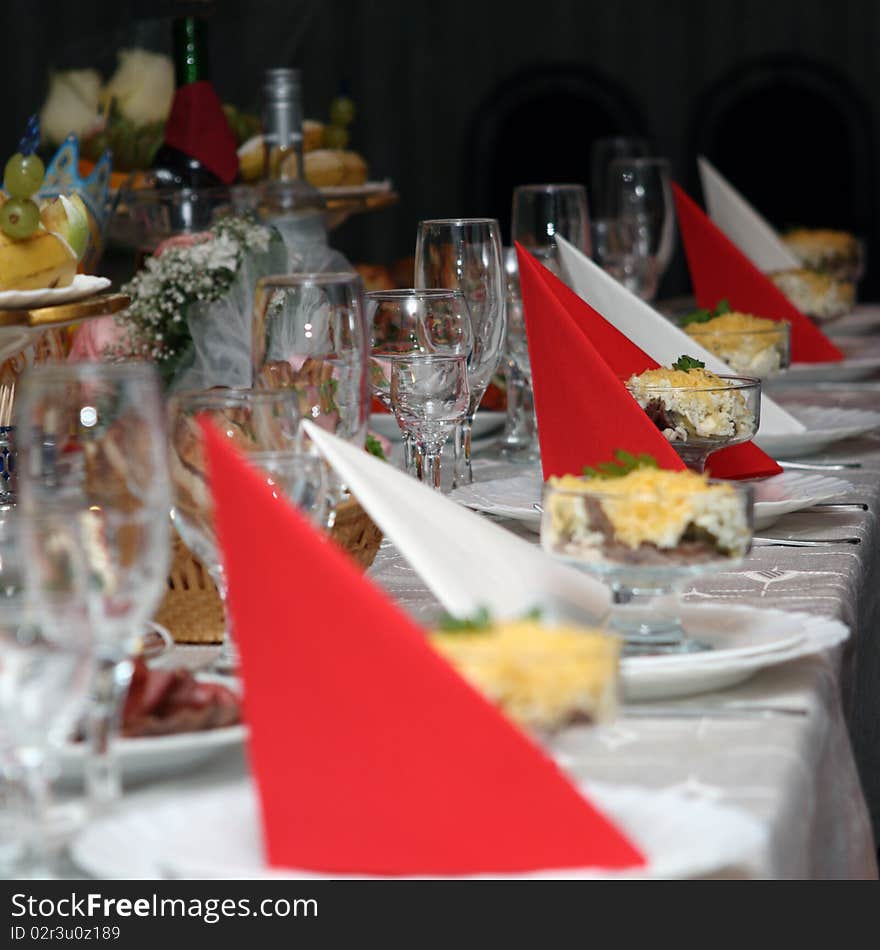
[[795, 773]]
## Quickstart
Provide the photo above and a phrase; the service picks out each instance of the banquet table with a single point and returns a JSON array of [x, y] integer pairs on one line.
[[795, 768]]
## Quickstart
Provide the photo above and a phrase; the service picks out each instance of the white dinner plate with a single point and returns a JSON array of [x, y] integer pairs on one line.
[[152, 757], [356, 191], [486, 423], [215, 833], [824, 426], [516, 497], [83, 285], [778, 635], [861, 361], [863, 321]]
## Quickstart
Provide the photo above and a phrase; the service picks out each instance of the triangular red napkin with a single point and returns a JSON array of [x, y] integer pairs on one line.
[[720, 270], [371, 754], [198, 127], [575, 355]]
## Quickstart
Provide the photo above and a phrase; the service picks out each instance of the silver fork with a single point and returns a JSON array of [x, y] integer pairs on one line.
[[801, 542], [820, 466]]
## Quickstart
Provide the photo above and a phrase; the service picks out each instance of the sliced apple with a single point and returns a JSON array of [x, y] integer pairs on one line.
[[68, 218]]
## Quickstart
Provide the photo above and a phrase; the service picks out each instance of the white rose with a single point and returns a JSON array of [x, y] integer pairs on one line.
[[143, 85], [71, 105]]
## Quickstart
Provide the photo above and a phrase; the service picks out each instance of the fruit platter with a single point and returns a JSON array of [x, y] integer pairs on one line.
[[46, 237], [126, 115]]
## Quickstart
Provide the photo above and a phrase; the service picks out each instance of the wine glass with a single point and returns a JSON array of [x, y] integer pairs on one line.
[[602, 153], [541, 212], [45, 661], [622, 248], [264, 424], [412, 321], [520, 439], [639, 189], [91, 441], [429, 396], [465, 253], [311, 336]]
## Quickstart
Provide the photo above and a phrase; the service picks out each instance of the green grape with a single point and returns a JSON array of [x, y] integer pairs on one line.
[[24, 175], [335, 137], [19, 218], [341, 111]]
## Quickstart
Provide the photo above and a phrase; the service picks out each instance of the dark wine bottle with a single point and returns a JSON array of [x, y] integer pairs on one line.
[[199, 149]]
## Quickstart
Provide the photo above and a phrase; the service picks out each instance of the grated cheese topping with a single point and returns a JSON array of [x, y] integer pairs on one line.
[[541, 677]]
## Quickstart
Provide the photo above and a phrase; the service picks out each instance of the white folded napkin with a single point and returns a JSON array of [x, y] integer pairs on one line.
[[661, 339], [748, 230], [465, 560]]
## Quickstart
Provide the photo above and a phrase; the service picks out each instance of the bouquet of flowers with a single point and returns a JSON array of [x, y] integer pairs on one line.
[[191, 306]]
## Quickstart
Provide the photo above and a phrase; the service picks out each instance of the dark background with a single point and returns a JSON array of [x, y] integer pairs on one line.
[[459, 99]]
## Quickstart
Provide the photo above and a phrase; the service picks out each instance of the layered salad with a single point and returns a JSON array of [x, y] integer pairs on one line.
[[645, 517], [688, 403], [748, 344], [820, 296], [542, 677], [836, 253]]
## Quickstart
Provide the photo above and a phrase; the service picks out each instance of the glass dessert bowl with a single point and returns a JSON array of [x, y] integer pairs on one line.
[[822, 297], [645, 534], [543, 676], [754, 346], [697, 411]]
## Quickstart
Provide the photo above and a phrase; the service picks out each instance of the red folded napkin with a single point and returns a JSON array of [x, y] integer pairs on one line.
[[585, 413], [371, 754], [720, 270], [198, 127]]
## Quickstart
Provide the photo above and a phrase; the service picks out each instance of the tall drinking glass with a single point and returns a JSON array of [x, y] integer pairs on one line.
[[429, 396], [622, 247], [602, 153], [541, 212], [264, 424], [45, 663], [91, 445], [411, 322], [640, 190], [311, 336], [465, 253]]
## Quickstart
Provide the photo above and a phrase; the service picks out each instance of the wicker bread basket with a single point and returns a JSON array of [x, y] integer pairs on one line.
[[192, 609]]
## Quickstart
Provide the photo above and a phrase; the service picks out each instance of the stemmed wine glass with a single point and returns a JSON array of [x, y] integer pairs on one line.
[[311, 336], [264, 424], [622, 248], [520, 440], [602, 153], [92, 447], [639, 190], [429, 396], [411, 322], [465, 253], [541, 212], [45, 661]]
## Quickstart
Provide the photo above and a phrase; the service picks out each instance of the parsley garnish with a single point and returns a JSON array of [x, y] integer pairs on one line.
[[704, 316], [374, 447], [481, 620], [687, 363], [626, 463], [478, 621]]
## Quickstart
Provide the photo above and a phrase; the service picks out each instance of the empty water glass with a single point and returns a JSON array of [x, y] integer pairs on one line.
[[602, 153], [465, 253], [622, 247], [430, 397], [640, 189], [541, 212]]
